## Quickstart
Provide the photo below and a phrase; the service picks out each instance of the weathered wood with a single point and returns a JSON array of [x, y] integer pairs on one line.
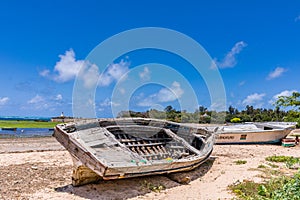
[[83, 175], [119, 148], [179, 177]]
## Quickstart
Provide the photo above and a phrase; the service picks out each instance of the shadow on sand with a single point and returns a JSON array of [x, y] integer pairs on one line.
[[133, 187]]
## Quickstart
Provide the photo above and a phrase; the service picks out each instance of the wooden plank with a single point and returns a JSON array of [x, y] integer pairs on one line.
[[144, 145]]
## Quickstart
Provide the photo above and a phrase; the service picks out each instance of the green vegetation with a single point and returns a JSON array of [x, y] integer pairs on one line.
[[153, 187], [277, 158], [290, 101], [273, 165], [282, 187], [233, 115], [26, 124], [240, 162], [286, 101], [235, 120], [261, 166], [289, 161], [277, 185]]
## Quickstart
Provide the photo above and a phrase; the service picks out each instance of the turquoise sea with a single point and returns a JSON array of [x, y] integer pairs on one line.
[[31, 118]]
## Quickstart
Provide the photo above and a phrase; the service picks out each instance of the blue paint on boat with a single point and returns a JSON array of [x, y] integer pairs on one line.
[[265, 142]]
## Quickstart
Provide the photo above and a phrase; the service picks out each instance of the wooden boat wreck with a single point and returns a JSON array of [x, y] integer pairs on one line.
[[254, 133], [130, 147]]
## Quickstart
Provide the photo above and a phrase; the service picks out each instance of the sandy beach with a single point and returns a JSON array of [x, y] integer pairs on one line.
[[40, 168]]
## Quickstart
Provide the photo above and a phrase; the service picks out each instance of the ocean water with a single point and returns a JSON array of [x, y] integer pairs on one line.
[[25, 132], [31, 118]]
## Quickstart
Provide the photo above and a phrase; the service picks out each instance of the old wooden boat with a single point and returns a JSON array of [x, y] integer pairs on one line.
[[254, 133], [130, 147]]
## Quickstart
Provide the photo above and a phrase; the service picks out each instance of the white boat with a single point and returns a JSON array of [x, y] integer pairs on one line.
[[254, 133], [124, 147]]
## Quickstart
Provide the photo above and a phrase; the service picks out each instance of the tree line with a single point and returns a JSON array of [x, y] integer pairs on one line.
[[232, 115]]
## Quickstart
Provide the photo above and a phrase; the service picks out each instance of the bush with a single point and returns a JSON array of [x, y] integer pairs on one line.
[[275, 189], [240, 162], [235, 120]]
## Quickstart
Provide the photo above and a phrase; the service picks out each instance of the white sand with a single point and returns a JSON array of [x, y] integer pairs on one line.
[[41, 169]]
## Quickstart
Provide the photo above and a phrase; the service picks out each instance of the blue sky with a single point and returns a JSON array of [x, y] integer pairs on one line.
[[43, 44]]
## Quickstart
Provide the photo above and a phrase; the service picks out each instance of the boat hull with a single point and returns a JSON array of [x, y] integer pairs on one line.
[[122, 148], [252, 137]]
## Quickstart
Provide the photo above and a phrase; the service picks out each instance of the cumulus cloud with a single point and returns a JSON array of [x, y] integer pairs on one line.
[[68, 67], [276, 73], [90, 75], [283, 93], [230, 59], [3, 101], [65, 69], [58, 97], [145, 74], [115, 71], [254, 99], [163, 95]]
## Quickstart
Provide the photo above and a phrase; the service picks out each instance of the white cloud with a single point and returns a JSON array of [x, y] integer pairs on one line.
[[45, 103], [297, 18], [217, 106], [114, 72], [90, 75], [68, 67], [36, 99], [213, 64], [38, 103], [58, 97], [167, 95], [230, 59], [45, 73], [145, 75], [163, 95], [107, 102], [149, 101], [283, 93], [276, 73], [3, 101], [254, 99]]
